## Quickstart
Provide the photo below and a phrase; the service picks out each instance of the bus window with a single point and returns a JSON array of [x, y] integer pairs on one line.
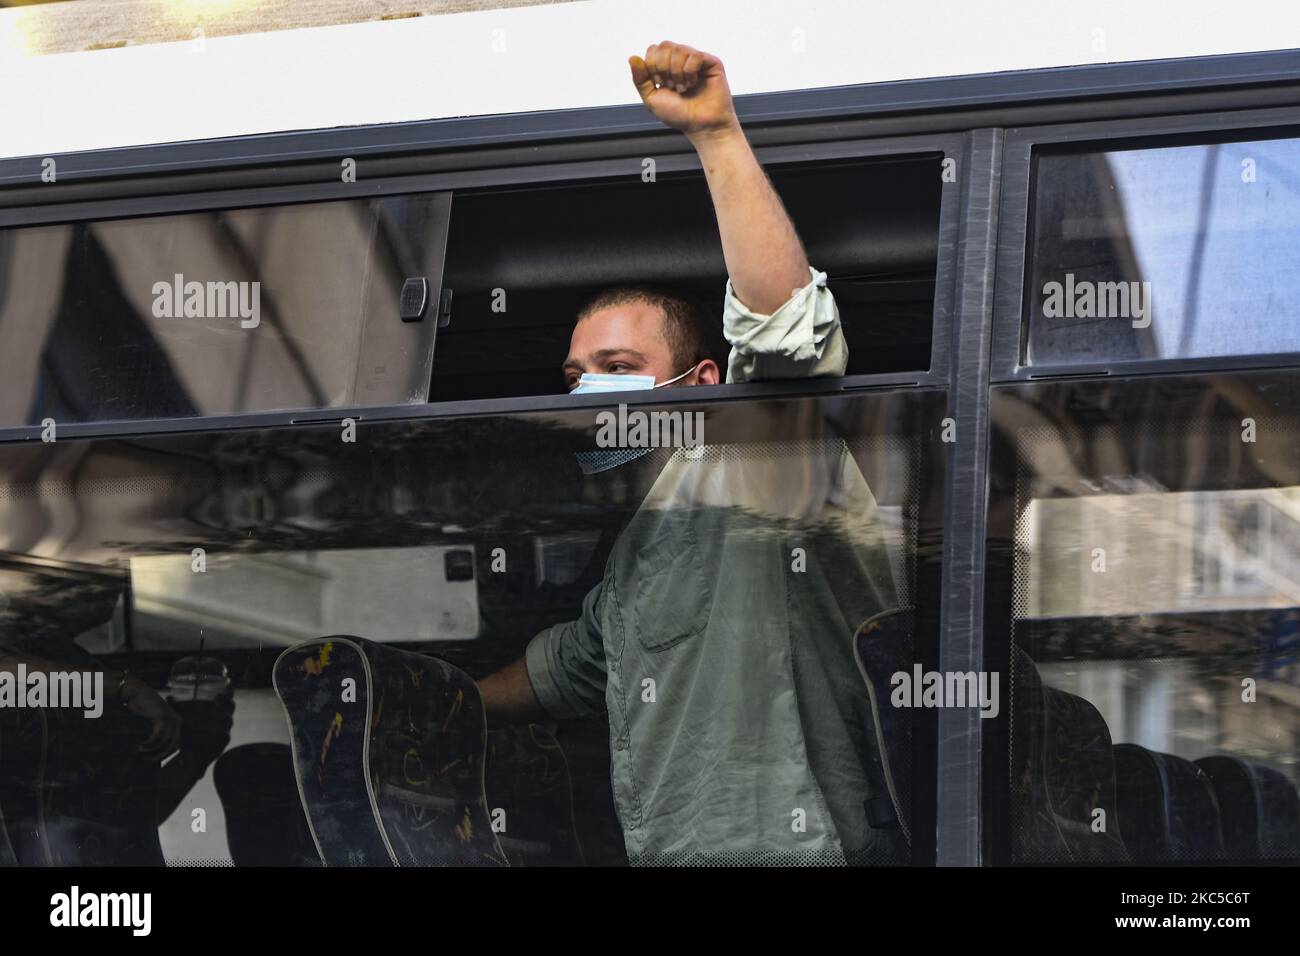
[[521, 262], [1145, 549], [1166, 252], [313, 606], [220, 312]]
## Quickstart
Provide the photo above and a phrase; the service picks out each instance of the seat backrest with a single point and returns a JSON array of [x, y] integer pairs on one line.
[[1169, 812], [1063, 786], [882, 647], [1279, 832], [395, 765], [1259, 807], [1237, 791], [265, 822], [530, 791], [388, 751]]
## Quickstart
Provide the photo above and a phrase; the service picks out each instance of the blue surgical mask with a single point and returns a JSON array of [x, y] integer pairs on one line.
[[607, 459], [600, 382]]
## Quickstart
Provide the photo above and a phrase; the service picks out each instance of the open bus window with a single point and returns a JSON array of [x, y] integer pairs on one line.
[[1168, 252], [221, 312], [1150, 573], [389, 573], [521, 262]]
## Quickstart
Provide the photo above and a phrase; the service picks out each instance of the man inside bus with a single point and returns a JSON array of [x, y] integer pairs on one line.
[[739, 726]]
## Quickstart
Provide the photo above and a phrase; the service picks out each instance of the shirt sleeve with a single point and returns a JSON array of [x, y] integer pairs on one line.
[[566, 663], [801, 339]]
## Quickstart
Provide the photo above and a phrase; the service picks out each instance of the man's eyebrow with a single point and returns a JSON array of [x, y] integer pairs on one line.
[[610, 353], [633, 354]]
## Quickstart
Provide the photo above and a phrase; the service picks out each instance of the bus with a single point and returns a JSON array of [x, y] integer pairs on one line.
[[285, 401]]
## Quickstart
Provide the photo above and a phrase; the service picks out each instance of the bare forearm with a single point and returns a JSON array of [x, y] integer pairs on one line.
[[508, 696], [765, 259]]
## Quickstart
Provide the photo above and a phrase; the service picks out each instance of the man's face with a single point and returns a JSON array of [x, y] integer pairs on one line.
[[628, 339]]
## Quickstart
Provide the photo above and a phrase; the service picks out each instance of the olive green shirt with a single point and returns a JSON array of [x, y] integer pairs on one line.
[[719, 640]]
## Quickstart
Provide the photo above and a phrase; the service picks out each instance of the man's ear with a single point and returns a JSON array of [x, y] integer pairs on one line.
[[708, 373]]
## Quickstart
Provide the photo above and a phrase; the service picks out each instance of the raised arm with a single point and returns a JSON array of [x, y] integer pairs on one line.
[[687, 90]]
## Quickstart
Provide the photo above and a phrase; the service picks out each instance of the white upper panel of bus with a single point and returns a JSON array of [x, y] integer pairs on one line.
[[566, 55]]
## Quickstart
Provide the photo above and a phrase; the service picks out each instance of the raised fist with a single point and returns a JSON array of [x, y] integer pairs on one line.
[[684, 88]]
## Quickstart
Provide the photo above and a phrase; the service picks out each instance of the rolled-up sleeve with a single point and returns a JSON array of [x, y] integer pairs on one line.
[[801, 339], [566, 663]]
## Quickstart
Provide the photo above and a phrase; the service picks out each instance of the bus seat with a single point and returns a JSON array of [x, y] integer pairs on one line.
[[1237, 790], [1168, 809], [388, 751], [882, 647], [1062, 772], [402, 773], [265, 825], [1260, 808], [1279, 832]]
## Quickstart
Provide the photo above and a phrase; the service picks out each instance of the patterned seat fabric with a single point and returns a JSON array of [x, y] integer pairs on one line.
[[388, 751], [394, 763]]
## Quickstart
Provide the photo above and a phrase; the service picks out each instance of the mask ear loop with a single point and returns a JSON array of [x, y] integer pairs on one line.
[[679, 377]]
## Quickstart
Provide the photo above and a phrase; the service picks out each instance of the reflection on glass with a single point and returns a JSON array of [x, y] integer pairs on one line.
[[214, 313], [1196, 551], [1171, 252], [360, 590], [388, 594], [1155, 588], [197, 679]]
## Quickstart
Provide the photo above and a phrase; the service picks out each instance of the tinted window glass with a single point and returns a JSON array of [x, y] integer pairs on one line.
[[714, 592], [1170, 252], [1146, 552], [213, 313]]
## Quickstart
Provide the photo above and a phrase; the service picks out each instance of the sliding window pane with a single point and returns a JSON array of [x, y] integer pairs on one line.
[[221, 312], [1164, 253]]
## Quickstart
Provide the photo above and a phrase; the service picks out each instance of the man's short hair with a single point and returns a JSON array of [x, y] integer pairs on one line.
[[693, 334]]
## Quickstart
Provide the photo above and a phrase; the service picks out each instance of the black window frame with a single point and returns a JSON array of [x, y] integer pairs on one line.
[[945, 145], [1011, 299]]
